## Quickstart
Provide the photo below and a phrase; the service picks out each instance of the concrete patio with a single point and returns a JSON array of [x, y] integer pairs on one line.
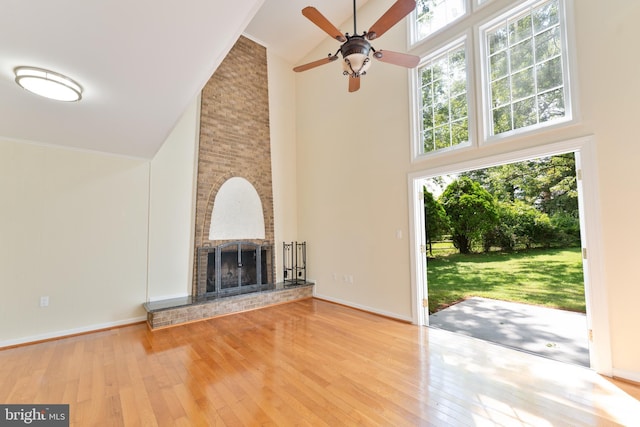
[[557, 334]]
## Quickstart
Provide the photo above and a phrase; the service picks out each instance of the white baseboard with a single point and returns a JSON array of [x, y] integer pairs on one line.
[[363, 307], [68, 332], [627, 375]]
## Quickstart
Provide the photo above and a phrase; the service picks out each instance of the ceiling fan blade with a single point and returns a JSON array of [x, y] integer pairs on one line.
[[397, 58], [317, 18], [354, 83], [391, 17], [315, 64]]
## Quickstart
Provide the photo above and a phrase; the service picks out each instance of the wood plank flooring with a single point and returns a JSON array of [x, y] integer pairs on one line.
[[307, 363]]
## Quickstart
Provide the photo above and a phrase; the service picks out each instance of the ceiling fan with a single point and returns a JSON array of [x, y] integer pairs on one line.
[[355, 49]]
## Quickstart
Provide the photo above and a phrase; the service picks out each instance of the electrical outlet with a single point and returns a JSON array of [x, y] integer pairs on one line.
[[44, 301]]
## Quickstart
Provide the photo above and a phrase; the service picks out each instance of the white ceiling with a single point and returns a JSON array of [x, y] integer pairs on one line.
[[140, 62], [280, 26]]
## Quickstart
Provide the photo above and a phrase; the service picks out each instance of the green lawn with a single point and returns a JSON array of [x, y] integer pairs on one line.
[[548, 277]]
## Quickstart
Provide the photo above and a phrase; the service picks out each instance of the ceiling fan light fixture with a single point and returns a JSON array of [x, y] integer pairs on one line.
[[356, 49], [355, 53], [356, 65], [48, 84]]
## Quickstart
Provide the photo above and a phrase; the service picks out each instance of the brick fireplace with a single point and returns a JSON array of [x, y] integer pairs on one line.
[[234, 143], [234, 137], [234, 148]]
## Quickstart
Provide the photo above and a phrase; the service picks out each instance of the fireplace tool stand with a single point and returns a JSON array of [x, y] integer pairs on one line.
[[294, 258]]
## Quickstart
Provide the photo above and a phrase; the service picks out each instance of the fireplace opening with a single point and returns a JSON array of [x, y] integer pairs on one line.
[[235, 268]]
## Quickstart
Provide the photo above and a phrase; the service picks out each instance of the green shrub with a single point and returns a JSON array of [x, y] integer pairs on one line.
[[519, 226], [566, 229]]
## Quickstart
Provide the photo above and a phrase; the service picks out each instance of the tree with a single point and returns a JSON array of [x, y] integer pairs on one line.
[[548, 183], [436, 221], [557, 188], [472, 212]]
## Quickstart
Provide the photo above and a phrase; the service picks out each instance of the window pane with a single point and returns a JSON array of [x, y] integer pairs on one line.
[[524, 113], [433, 15], [500, 92], [442, 137], [441, 114], [440, 68], [427, 138], [520, 29], [427, 118], [426, 75], [502, 119], [458, 82], [545, 16], [498, 39], [444, 99], [549, 74], [499, 65], [548, 44], [522, 84], [459, 107], [458, 60], [551, 105], [521, 56], [459, 132], [440, 92], [427, 95]]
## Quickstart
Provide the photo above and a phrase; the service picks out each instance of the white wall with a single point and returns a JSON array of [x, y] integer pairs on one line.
[[73, 227], [171, 233], [98, 234], [610, 89], [282, 115], [354, 157]]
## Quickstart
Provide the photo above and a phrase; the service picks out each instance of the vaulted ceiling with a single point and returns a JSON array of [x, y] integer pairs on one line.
[[140, 63]]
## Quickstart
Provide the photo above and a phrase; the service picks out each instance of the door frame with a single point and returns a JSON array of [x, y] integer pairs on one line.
[[591, 235]]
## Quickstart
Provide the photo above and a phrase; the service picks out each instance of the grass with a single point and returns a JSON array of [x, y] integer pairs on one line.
[[546, 277]]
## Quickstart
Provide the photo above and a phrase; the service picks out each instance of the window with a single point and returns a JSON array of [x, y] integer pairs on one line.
[[443, 101], [526, 69], [523, 84], [432, 15]]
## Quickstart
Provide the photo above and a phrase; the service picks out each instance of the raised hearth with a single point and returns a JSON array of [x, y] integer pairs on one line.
[[172, 312]]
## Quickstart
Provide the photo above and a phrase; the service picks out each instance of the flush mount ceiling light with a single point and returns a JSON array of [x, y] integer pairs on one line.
[[48, 84]]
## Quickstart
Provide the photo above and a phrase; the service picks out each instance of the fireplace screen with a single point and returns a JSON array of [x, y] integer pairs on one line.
[[237, 267]]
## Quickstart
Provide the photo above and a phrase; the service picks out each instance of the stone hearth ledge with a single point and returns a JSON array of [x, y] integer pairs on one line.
[[177, 311]]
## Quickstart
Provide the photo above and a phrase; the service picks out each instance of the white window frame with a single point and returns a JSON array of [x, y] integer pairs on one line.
[[414, 39], [482, 17], [416, 116], [567, 61]]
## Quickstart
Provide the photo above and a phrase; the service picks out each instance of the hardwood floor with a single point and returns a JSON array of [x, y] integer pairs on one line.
[[309, 363]]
